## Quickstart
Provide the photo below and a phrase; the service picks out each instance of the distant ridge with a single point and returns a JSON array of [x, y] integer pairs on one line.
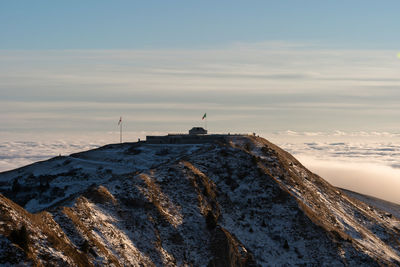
[[384, 205]]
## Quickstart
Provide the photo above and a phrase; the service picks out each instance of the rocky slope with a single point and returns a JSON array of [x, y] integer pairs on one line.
[[240, 202]]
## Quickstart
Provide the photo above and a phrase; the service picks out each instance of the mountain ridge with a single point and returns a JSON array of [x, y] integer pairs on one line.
[[238, 202]]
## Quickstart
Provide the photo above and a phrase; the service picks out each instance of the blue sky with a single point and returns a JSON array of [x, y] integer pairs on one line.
[[196, 24]]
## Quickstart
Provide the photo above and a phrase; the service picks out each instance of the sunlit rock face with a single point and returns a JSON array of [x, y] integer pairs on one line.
[[240, 201]]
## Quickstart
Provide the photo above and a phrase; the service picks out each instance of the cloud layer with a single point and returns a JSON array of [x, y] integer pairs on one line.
[[244, 87], [371, 179], [16, 154], [365, 162]]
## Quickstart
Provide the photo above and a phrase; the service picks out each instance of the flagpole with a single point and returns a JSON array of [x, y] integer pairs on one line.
[[120, 129]]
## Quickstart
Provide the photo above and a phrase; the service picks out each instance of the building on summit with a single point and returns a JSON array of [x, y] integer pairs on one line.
[[197, 135], [197, 130]]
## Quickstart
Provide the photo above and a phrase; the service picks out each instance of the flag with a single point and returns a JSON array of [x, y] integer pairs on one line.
[[204, 116], [120, 120]]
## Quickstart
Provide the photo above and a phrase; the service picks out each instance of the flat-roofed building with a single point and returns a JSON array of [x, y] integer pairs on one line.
[[197, 130], [197, 135]]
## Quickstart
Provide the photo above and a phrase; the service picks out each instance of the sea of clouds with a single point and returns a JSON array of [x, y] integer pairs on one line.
[[365, 162], [14, 154]]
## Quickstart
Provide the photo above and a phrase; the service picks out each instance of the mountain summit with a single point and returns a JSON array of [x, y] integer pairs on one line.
[[238, 201]]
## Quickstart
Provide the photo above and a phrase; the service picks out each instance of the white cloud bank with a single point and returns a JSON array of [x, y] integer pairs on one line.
[[367, 178], [365, 162]]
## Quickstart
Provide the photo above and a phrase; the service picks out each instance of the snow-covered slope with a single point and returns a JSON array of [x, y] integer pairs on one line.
[[241, 202]]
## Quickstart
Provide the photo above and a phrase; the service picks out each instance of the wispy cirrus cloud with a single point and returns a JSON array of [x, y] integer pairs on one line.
[[280, 86]]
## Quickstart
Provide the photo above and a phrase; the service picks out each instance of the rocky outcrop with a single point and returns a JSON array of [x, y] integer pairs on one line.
[[228, 251]]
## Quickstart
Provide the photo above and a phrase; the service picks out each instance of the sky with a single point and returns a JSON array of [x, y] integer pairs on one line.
[[295, 72], [103, 24]]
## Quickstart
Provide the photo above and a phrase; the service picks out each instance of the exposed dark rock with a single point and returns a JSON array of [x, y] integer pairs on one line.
[[225, 250]]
